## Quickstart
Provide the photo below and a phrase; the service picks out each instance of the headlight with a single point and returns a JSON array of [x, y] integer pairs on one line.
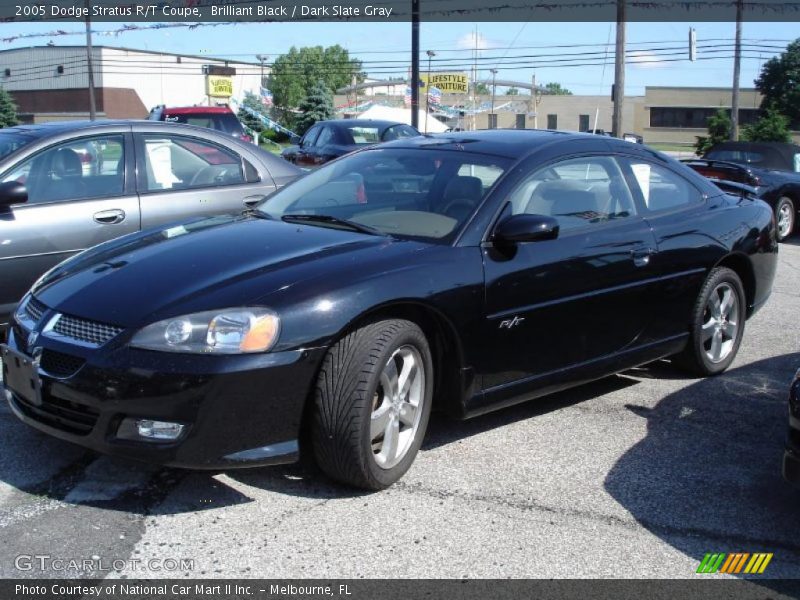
[[227, 331]]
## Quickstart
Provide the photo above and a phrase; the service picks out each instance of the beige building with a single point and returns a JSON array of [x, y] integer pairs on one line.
[[667, 115]]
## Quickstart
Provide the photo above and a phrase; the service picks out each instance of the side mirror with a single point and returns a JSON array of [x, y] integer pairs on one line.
[[295, 140], [13, 192], [525, 228]]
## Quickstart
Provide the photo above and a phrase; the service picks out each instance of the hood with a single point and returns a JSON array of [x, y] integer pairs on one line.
[[201, 265]]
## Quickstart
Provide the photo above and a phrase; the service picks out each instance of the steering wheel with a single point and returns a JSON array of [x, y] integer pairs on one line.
[[457, 209]]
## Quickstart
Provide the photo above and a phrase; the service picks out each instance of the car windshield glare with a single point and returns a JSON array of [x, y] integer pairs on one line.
[[415, 193]]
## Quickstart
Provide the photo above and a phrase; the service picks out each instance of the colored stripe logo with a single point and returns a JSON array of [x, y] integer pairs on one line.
[[735, 563]]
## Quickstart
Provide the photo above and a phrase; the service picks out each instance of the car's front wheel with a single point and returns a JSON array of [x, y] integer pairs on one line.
[[784, 216], [717, 324], [372, 404]]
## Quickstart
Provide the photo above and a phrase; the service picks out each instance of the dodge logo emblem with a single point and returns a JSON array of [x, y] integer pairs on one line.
[[34, 335]]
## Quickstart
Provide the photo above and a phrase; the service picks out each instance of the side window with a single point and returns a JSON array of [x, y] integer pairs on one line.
[[175, 162], [797, 163], [325, 137], [661, 188], [250, 172], [85, 168], [578, 192], [311, 136]]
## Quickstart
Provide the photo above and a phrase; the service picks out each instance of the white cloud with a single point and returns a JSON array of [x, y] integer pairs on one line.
[[468, 41], [643, 59]]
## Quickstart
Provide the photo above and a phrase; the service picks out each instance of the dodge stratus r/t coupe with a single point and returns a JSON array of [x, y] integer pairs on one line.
[[463, 273]]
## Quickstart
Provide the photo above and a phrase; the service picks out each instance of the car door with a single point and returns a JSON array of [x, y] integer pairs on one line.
[[304, 157], [182, 176], [556, 304], [676, 211], [80, 193]]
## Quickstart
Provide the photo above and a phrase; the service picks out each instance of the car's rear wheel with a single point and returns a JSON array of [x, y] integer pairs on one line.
[[372, 404], [785, 216], [717, 324]]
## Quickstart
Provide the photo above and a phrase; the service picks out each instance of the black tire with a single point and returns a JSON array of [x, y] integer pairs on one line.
[[786, 206], [344, 401], [695, 357]]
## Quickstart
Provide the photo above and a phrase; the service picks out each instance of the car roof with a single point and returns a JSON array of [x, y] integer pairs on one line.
[[508, 143], [380, 123], [196, 110]]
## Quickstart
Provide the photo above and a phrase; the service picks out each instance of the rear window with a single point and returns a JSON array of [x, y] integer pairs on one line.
[[365, 135], [225, 122], [764, 160]]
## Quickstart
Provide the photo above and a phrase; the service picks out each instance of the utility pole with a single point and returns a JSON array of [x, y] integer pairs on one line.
[[737, 65], [415, 63], [430, 54], [619, 71], [534, 102], [262, 58], [494, 87], [89, 65]]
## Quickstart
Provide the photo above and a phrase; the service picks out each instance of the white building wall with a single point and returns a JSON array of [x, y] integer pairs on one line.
[[168, 79], [37, 68]]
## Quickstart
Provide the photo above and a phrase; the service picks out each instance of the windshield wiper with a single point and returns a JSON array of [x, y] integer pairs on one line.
[[323, 219], [259, 214]]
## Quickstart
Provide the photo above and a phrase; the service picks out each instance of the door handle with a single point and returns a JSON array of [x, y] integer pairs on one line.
[[253, 200], [109, 217], [641, 256]]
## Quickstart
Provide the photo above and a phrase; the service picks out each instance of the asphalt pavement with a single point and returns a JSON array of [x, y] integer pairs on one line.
[[635, 476]]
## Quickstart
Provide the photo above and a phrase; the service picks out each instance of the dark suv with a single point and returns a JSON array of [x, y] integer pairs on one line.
[[219, 118]]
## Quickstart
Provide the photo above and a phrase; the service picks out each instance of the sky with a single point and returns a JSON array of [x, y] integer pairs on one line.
[[392, 41]]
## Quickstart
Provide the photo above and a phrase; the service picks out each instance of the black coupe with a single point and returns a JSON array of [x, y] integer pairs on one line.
[[463, 272], [772, 168]]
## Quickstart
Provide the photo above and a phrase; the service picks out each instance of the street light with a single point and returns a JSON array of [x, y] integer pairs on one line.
[[262, 58], [430, 54], [494, 75]]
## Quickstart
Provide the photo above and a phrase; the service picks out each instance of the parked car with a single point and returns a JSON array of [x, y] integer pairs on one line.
[[464, 272], [772, 168], [791, 458], [52, 205], [218, 118], [327, 140]]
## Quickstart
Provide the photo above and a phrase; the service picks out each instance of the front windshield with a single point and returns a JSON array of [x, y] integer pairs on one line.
[[11, 142], [418, 193]]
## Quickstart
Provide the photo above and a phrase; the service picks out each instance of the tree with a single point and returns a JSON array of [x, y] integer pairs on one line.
[[512, 91], [482, 89], [294, 74], [8, 109], [317, 106], [770, 127], [555, 89], [719, 130], [253, 102], [779, 83]]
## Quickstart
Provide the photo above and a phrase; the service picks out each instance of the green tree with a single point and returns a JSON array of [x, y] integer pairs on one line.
[[719, 130], [317, 106], [295, 73], [770, 127], [779, 83], [555, 89], [512, 91], [249, 120], [482, 89], [8, 109]]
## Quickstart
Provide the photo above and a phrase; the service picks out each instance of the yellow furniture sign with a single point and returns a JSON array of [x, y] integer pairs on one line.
[[219, 86], [448, 83]]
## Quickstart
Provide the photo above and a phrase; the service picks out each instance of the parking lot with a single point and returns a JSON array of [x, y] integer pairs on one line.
[[638, 475]]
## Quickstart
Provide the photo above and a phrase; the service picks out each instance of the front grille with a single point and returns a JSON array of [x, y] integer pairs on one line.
[[35, 309], [59, 364], [60, 414], [83, 330]]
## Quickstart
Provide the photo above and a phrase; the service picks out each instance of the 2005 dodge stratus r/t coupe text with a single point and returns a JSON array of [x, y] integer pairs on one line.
[[463, 273]]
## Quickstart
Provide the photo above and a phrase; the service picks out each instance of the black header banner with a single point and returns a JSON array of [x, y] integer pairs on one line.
[[196, 11]]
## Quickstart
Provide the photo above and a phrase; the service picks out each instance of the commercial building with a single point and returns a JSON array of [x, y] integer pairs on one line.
[[52, 82]]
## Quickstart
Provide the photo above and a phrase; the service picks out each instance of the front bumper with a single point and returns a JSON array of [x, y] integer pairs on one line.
[[243, 410], [791, 457]]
